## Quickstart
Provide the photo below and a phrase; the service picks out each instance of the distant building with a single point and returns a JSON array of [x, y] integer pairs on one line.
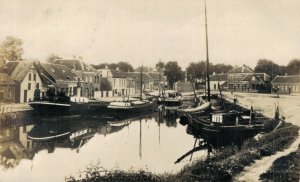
[[235, 78], [286, 84], [86, 72], [119, 82], [156, 80], [7, 88], [25, 77], [147, 82], [59, 76], [242, 78], [257, 82], [216, 79]]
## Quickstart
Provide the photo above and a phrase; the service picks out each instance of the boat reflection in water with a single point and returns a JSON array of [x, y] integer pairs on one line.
[[67, 144]]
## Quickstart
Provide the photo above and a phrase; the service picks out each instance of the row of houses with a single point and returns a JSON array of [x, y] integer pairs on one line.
[[243, 79], [19, 80]]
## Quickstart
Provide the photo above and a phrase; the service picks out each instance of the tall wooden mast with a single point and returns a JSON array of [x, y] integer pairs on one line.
[[141, 93], [207, 57]]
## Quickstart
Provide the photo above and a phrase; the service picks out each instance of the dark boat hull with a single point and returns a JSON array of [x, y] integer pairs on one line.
[[219, 135], [129, 110], [52, 108]]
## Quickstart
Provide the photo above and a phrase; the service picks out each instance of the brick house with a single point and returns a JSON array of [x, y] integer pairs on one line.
[[242, 78], [87, 73]]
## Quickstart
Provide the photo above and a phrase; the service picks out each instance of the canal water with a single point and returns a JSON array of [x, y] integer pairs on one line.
[[52, 148]]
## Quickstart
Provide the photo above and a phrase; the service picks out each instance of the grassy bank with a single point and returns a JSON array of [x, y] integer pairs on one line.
[[285, 168], [223, 165]]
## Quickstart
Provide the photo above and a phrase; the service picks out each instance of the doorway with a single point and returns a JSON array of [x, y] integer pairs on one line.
[[25, 96]]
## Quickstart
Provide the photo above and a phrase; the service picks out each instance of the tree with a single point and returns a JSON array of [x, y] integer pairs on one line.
[[173, 72], [221, 68], [160, 66], [52, 57], [124, 66], [293, 67], [11, 49], [196, 70], [146, 69], [269, 67]]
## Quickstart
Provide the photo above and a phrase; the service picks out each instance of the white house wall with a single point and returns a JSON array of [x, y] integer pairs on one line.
[[26, 81]]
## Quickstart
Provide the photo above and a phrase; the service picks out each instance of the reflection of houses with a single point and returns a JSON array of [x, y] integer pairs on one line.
[[60, 76], [25, 77], [14, 145], [25, 142], [286, 84], [87, 73], [7, 88], [242, 78], [216, 79]]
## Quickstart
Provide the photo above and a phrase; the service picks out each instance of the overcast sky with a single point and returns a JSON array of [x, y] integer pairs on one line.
[[144, 31]]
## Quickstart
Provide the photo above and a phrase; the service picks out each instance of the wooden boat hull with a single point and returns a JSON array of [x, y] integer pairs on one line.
[[52, 108], [129, 110], [218, 135]]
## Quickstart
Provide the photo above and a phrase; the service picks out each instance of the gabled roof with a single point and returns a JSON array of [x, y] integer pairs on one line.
[[17, 70], [6, 80], [240, 69], [258, 78], [118, 74], [218, 77], [52, 73], [287, 79], [9, 67], [75, 64], [137, 76]]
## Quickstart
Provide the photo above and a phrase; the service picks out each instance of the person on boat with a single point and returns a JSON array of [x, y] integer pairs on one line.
[[252, 116], [235, 100], [277, 113]]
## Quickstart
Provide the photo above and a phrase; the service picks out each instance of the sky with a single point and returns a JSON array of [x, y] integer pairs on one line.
[[146, 31]]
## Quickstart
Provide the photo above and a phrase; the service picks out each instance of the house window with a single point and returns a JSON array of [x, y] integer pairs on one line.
[[37, 85], [29, 76], [29, 86], [34, 77]]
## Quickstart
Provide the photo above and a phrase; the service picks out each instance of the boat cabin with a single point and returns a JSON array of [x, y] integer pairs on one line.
[[230, 118]]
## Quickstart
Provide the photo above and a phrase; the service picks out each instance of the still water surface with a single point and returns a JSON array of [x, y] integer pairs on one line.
[[147, 142]]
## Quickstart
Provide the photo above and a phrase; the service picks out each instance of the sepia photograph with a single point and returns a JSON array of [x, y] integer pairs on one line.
[[149, 90]]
